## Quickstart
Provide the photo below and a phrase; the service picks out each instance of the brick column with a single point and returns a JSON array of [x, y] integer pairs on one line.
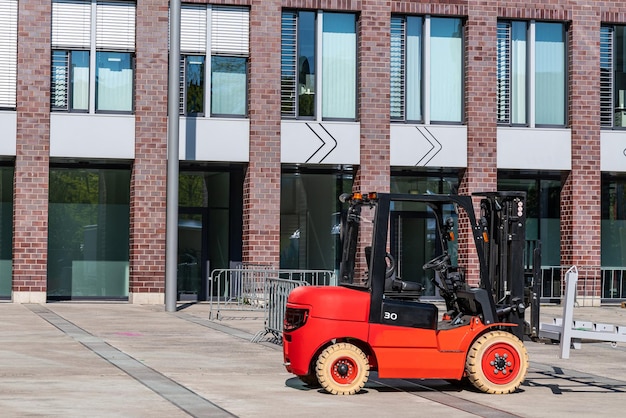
[[581, 193], [30, 204], [261, 195], [373, 174], [148, 187], [480, 109]]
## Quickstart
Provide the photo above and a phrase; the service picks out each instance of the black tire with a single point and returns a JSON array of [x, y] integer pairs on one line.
[[497, 362], [342, 369]]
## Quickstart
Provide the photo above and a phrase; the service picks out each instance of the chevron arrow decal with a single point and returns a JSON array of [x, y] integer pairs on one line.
[[435, 146], [328, 143]]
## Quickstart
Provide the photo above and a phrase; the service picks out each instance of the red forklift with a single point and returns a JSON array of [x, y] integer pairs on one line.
[[374, 320]]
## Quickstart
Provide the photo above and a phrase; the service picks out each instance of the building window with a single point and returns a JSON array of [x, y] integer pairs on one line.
[[413, 233], [613, 236], [77, 49], [228, 85], [6, 231], [310, 218], [192, 84], [114, 82], [613, 76], [70, 80], [318, 43], [426, 86], [225, 74], [88, 233], [8, 53], [531, 72]]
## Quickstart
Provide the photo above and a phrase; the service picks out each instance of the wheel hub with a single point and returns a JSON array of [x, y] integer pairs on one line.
[[344, 370], [500, 364]]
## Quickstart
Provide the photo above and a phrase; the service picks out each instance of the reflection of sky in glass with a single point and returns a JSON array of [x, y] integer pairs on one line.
[[306, 38], [550, 47], [195, 71]]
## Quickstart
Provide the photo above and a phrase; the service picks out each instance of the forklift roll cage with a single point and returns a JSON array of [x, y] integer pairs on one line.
[[499, 241]]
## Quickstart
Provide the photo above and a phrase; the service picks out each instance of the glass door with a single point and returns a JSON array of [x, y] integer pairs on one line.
[[192, 255]]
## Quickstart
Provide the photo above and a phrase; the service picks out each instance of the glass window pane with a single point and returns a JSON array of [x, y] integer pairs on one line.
[[114, 81], [549, 74], [88, 233], [543, 200], [446, 69], [288, 64], [6, 231], [619, 76], [518, 72], [414, 68], [614, 221], [339, 66], [413, 230], [59, 88], [194, 85], [306, 64], [228, 85], [309, 219], [80, 80]]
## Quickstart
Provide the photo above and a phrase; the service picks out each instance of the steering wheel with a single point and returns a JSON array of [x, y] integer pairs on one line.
[[438, 262], [391, 265]]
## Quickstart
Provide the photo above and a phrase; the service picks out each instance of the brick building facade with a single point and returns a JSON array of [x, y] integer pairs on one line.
[[259, 182]]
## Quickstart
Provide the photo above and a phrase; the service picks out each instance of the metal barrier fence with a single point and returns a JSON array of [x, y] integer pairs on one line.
[[607, 283], [245, 289], [278, 291]]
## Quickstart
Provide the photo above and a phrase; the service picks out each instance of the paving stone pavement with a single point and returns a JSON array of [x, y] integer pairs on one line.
[[118, 359]]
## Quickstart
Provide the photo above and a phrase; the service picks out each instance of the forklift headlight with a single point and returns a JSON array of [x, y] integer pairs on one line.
[[294, 319]]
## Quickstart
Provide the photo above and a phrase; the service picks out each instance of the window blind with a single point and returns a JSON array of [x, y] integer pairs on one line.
[[230, 30], [606, 76], [8, 52], [71, 23], [193, 31], [115, 25]]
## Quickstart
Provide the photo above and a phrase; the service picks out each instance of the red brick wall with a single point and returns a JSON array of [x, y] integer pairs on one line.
[[261, 217], [30, 205], [149, 172]]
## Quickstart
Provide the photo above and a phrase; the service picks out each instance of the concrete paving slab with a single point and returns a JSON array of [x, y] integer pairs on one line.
[[118, 359]]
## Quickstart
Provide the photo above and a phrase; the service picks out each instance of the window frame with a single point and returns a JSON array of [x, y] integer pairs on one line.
[[69, 82], [94, 26], [291, 46], [131, 58], [530, 83], [212, 105], [203, 28], [610, 100], [425, 60]]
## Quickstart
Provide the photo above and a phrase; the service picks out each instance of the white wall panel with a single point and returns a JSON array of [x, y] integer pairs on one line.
[[8, 125], [534, 148], [320, 142], [92, 136], [428, 146], [613, 151], [214, 139]]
